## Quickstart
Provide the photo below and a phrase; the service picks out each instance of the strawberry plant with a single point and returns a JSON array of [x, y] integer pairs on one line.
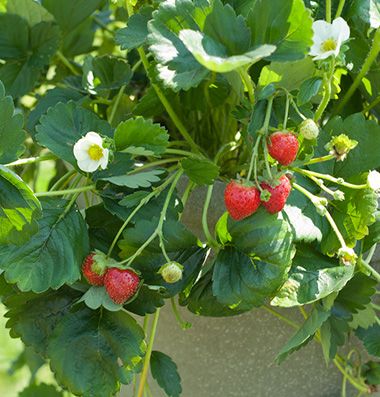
[[113, 112]]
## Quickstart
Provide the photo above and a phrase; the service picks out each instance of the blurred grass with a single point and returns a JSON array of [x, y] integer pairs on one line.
[[10, 349]]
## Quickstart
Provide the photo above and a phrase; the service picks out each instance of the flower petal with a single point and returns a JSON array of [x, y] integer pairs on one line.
[[322, 31], [324, 55], [94, 138], [104, 160], [341, 30], [88, 165], [81, 149]]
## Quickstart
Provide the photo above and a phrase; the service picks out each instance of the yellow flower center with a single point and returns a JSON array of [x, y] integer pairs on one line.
[[95, 152], [329, 45]]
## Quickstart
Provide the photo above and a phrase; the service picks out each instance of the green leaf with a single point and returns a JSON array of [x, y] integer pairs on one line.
[[142, 134], [284, 23], [363, 318], [200, 171], [41, 390], [305, 286], [11, 133], [370, 338], [213, 56], [288, 75], [223, 50], [26, 49], [308, 89], [371, 372], [361, 159], [306, 224], [50, 99], [64, 124], [136, 33], [79, 40], [97, 297], [164, 371], [29, 10], [53, 256], [267, 239], [90, 351], [355, 296], [19, 209], [352, 216], [373, 236], [70, 13], [177, 67], [33, 317], [191, 258], [146, 302], [311, 325], [201, 301], [236, 279], [105, 73], [134, 181]]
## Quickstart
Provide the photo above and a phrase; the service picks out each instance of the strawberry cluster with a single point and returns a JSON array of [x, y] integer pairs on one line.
[[243, 200], [120, 284]]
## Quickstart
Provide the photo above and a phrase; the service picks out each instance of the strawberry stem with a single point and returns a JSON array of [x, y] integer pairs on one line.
[[321, 159], [210, 239], [322, 210], [327, 80], [67, 191], [286, 114], [246, 78], [182, 323], [148, 354], [158, 230], [144, 201], [265, 131], [338, 181]]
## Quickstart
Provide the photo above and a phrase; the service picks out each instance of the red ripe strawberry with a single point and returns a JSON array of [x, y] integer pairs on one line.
[[241, 201], [121, 284], [283, 147], [279, 195], [93, 273]]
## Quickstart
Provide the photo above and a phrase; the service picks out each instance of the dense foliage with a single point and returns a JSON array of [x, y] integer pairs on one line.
[[106, 107]]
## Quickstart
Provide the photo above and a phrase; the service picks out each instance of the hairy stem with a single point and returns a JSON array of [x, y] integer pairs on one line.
[[67, 191], [115, 105], [328, 11], [321, 159], [32, 160], [327, 79], [338, 181], [148, 354], [371, 58], [340, 8], [248, 84], [144, 201], [183, 324], [210, 239]]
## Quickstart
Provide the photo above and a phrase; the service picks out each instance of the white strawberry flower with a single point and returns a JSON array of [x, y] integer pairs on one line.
[[373, 180], [90, 153], [328, 38]]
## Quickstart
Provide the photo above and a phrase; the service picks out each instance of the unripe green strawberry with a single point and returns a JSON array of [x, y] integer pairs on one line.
[[171, 272], [309, 129]]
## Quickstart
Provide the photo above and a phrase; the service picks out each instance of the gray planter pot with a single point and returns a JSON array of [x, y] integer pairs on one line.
[[234, 357]]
